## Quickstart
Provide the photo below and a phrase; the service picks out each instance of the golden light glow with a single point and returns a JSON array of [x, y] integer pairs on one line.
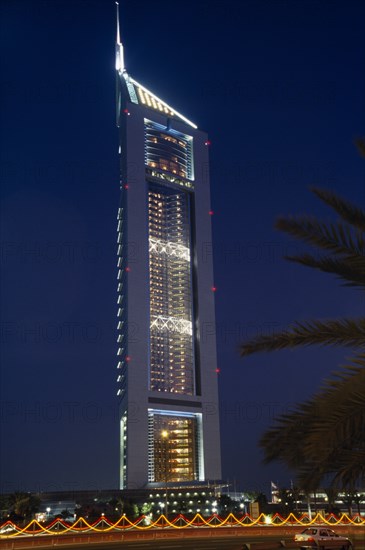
[[160, 105], [103, 524], [173, 445]]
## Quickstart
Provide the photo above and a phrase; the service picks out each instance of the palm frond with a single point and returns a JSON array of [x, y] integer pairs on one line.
[[330, 428], [344, 332], [348, 212], [276, 440], [341, 410], [351, 270], [350, 468], [337, 237]]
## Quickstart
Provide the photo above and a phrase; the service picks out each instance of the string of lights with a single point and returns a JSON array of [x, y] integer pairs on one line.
[[103, 525]]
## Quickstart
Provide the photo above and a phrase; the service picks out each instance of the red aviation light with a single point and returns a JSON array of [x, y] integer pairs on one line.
[[208, 142], [126, 186], [214, 289], [126, 112], [217, 371], [128, 358], [127, 269], [211, 212]]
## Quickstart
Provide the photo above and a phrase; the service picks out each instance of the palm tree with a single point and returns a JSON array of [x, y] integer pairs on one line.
[[330, 426], [348, 499], [331, 497], [358, 499]]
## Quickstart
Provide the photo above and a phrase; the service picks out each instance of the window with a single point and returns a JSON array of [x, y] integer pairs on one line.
[[171, 309], [168, 151], [173, 442]]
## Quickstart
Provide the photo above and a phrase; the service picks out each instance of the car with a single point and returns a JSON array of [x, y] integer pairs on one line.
[[323, 538]]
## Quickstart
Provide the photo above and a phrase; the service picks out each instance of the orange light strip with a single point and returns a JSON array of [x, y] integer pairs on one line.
[[104, 525]]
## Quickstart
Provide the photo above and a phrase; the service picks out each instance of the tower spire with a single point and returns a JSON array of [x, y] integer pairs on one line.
[[118, 27], [119, 51]]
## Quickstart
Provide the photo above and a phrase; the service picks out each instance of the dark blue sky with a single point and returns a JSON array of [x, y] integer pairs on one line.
[[280, 88]]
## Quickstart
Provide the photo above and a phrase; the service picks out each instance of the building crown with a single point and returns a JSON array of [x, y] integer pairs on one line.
[[138, 93]]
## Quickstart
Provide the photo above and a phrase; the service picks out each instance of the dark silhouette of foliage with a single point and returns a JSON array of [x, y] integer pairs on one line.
[[324, 437], [23, 505]]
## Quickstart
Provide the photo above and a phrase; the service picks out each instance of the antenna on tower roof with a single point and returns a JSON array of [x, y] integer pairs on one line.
[[118, 29], [119, 52]]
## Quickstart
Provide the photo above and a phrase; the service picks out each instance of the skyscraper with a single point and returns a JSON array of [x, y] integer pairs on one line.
[[167, 368]]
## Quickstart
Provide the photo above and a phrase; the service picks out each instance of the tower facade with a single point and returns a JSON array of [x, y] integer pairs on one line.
[[167, 368]]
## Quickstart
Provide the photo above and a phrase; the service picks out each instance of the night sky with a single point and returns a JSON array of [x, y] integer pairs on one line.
[[280, 87]]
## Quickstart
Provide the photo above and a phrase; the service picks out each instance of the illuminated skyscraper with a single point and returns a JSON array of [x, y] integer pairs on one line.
[[167, 369]]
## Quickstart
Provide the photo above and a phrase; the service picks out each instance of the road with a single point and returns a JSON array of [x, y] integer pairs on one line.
[[193, 539]]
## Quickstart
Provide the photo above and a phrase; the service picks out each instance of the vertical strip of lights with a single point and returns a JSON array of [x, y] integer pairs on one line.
[[122, 329], [170, 264], [171, 333]]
